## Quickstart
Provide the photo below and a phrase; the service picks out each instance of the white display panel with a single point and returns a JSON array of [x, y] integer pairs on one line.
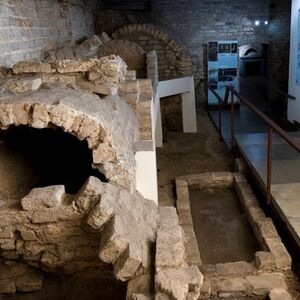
[[294, 76], [222, 68]]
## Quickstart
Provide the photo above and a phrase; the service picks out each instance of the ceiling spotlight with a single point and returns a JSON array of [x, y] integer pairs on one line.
[[257, 23], [266, 22]]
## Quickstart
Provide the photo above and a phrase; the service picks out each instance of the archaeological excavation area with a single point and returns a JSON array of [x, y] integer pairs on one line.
[[144, 150]]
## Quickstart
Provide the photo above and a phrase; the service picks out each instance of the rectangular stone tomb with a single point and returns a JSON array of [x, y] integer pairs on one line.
[[229, 237]]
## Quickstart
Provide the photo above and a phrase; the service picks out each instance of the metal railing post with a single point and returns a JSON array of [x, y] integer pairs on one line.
[[232, 120], [269, 164], [220, 121]]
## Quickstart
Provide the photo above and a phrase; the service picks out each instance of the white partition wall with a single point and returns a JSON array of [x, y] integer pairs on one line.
[[294, 72], [185, 87], [145, 156]]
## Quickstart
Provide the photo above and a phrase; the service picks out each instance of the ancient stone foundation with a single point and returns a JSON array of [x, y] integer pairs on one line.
[[102, 226], [240, 279]]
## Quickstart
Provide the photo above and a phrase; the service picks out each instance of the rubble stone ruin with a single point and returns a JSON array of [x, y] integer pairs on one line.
[[89, 90], [70, 126]]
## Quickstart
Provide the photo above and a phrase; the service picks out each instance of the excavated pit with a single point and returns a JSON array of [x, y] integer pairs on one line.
[[229, 237], [221, 226], [31, 158]]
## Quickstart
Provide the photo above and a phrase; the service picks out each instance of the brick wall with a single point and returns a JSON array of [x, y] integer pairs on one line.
[[279, 40], [29, 26], [173, 59], [194, 23]]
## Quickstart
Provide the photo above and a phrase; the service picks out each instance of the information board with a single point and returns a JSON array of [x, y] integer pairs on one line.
[[298, 51], [222, 68]]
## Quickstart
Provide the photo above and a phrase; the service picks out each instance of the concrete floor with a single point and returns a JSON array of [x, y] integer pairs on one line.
[[189, 153]]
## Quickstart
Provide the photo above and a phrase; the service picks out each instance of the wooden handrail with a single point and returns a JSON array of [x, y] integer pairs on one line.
[[271, 123], [279, 91], [272, 126]]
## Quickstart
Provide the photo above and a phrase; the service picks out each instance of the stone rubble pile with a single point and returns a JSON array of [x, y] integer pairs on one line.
[[107, 76], [87, 49], [57, 232]]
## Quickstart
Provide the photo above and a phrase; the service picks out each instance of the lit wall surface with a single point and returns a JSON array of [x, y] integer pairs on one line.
[[294, 69]]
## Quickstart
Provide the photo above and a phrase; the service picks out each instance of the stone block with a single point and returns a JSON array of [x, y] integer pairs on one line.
[[6, 232], [265, 260], [262, 284], [131, 53], [25, 67], [103, 153], [109, 69], [88, 195], [43, 198], [113, 242], [128, 87], [179, 283], [6, 115], [127, 264], [67, 80], [40, 115], [30, 282], [89, 47], [46, 216], [21, 85], [74, 66], [267, 229], [98, 88], [170, 250], [21, 112], [167, 217], [28, 234], [255, 215], [142, 284], [283, 259], [205, 290], [7, 286], [234, 268], [279, 294], [130, 75], [185, 217], [12, 270], [58, 232], [231, 288]]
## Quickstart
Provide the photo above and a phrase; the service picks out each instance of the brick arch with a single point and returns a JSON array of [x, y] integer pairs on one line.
[[114, 161], [173, 59]]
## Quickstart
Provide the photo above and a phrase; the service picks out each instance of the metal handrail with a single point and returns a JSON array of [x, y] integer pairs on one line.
[[263, 116], [272, 126], [281, 92]]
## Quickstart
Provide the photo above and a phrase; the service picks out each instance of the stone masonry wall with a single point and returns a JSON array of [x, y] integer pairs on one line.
[[29, 26]]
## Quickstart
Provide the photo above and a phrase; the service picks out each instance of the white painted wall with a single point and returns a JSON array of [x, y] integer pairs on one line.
[[294, 89], [146, 165], [185, 87], [146, 174]]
